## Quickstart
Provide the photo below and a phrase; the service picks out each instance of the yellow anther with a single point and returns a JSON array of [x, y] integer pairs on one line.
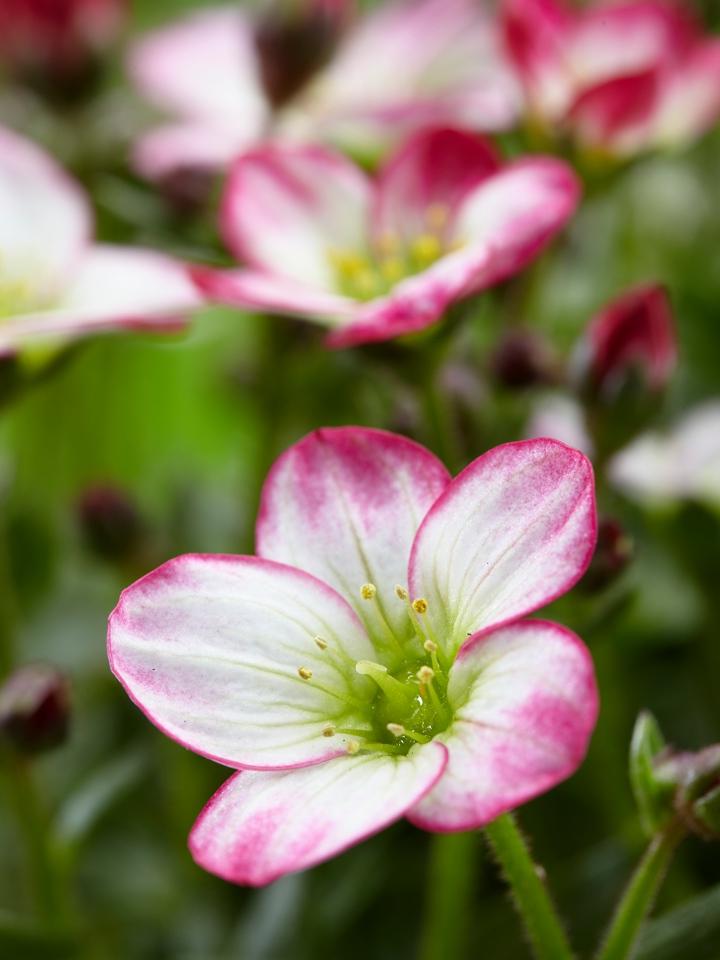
[[396, 729], [426, 248], [368, 591], [352, 747], [321, 643], [392, 269], [420, 605], [425, 674], [347, 263], [430, 646], [365, 281], [305, 673], [401, 593], [436, 215], [329, 732]]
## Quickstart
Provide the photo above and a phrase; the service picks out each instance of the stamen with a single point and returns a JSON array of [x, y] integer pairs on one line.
[[426, 248], [430, 646], [305, 673], [425, 674], [420, 605], [398, 730], [328, 732], [392, 269], [321, 642], [368, 591], [352, 747], [401, 593]]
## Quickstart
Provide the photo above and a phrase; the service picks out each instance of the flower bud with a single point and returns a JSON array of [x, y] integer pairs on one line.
[[634, 335], [294, 39], [34, 708], [55, 44], [669, 783], [524, 359], [110, 523], [613, 553]]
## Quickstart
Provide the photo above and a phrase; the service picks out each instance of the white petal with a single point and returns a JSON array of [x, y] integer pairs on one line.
[[513, 531], [210, 648], [525, 703], [260, 826]]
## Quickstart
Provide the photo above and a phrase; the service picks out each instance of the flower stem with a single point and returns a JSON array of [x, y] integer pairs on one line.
[[639, 896], [532, 900], [41, 861], [453, 863]]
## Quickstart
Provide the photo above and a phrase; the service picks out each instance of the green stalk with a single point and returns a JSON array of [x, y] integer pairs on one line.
[[453, 866], [34, 824], [530, 895], [637, 901]]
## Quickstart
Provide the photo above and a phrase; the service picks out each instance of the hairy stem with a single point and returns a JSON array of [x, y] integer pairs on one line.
[[530, 895]]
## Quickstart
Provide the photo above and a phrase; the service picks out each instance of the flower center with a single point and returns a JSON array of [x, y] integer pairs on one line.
[[18, 292], [367, 274], [406, 702]]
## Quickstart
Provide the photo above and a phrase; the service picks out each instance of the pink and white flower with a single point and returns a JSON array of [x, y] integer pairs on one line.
[[207, 71], [635, 331], [661, 468], [373, 660], [618, 77], [376, 259], [55, 283]]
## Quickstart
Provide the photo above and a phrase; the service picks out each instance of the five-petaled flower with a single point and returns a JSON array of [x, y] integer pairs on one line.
[[372, 661], [55, 283], [374, 260], [617, 77], [217, 74]]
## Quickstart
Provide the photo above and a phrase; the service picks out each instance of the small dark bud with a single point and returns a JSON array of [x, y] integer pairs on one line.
[[523, 359], [188, 190], [293, 43], [35, 709], [111, 523], [613, 553]]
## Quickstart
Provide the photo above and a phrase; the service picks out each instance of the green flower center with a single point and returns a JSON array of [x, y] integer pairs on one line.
[[405, 702], [367, 274]]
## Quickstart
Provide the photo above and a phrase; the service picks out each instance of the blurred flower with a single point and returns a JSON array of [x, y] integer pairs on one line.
[[444, 220], [682, 464], [410, 65], [633, 334], [369, 663], [224, 76], [34, 708], [55, 42], [111, 523], [618, 77], [55, 283]]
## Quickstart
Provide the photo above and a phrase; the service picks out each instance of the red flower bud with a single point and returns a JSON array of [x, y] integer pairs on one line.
[[54, 42], [633, 333], [34, 708]]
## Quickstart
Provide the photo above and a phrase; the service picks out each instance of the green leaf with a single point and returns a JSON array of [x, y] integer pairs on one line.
[[97, 794], [690, 932]]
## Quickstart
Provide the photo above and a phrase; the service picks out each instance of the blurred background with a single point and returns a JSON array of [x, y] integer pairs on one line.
[[129, 449]]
